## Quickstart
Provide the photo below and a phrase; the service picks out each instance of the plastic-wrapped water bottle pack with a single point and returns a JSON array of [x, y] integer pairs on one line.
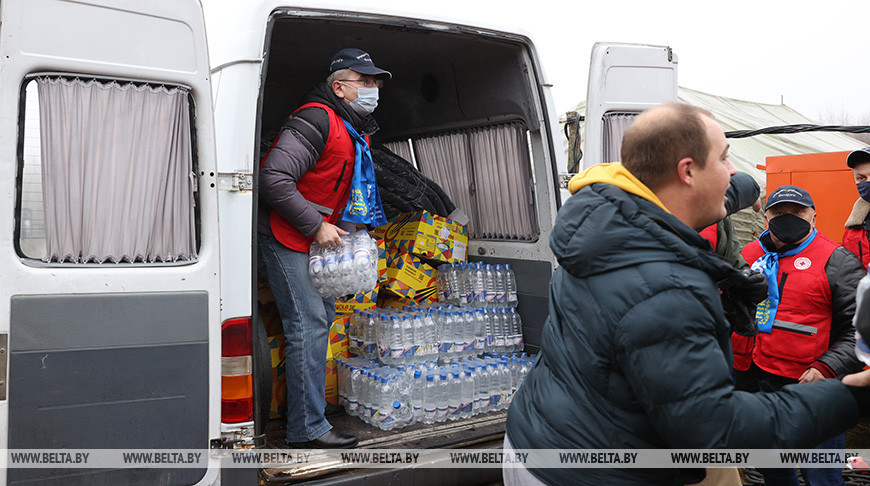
[[351, 268]]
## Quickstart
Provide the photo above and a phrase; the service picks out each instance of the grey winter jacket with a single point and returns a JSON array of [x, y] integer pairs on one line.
[[636, 352]]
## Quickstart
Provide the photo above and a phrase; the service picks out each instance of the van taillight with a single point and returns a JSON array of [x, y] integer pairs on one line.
[[237, 392]]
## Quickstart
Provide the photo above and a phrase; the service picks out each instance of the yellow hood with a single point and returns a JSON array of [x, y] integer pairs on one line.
[[615, 174]]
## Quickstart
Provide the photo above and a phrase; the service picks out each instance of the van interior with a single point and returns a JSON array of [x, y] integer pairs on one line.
[[461, 107]]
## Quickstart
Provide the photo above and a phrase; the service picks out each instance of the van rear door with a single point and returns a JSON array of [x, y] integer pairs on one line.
[[624, 79], [109, 297]]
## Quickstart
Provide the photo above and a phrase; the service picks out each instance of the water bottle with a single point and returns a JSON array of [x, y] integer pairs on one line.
[[478, 286], [409, 347], [346, 279], [354, 333], [466, 394], [383, 417], [385, 336], [397, 345], [456, 393], [330, 272], [352, 394], [479, 332], [441, 282], [419, 337], [506, 384], [466, 279], [417, 388], [516, 327], [483, 388], [495, 387], [430, 337], [315, 266], [453, 283], [369, 336], [489, 286], [499, 283], [441, 397], [498, 330], [402, 414], [430, 397], [364, 268], [489, 330], [447, 343], [510, 286], [468, 340]]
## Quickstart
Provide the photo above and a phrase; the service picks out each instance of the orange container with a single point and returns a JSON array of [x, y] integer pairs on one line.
[[828, 180]]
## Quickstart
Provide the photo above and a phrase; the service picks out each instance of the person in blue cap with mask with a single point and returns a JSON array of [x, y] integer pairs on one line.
[[317, 177], [805, 325]]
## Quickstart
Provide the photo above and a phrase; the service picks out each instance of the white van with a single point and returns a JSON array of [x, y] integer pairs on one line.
[[131, 147]]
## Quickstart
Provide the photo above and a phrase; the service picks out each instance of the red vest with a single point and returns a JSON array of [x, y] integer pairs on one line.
[[711, 233], [855, 239], [326, 185], [805, 299]]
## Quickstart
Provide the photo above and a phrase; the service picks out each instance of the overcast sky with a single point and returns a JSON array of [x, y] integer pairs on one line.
[[812, 55]]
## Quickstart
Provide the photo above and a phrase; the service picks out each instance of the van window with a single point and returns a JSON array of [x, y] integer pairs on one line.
[[487, 173], [107, 173], [615, 125]]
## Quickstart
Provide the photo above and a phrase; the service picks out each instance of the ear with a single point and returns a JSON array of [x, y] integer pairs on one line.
[[686, 170], [336, 88]]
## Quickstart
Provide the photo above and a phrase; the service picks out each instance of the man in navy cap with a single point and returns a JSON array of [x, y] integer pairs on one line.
[[805, 324], [856, 237], [305, 182]]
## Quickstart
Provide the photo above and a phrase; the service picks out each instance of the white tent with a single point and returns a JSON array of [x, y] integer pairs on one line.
[[748, 153]]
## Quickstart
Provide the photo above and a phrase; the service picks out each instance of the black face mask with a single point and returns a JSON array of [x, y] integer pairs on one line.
[[789, 228]]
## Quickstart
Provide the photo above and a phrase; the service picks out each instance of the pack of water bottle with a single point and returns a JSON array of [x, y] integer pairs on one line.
[[393, 397], [476, 285], [431, 335], [351, 268]]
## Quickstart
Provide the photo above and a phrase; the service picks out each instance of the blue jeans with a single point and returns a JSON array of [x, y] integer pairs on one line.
[[813, 476], [306, 317]]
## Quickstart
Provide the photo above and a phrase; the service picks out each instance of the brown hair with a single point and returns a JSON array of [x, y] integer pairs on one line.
[[662, 136]]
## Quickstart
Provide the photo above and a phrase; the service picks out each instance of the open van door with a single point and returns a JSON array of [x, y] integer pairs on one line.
[[624, 80], [109, 297]]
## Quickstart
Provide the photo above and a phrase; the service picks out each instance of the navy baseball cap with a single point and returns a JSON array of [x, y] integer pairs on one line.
[[792, 194], [858, 157], [359, 61]]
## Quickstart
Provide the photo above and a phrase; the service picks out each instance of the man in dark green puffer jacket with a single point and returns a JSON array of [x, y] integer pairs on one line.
[[636, 352]]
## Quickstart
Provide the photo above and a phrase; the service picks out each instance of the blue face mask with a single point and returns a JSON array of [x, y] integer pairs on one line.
[[366, 100], [864, 190]]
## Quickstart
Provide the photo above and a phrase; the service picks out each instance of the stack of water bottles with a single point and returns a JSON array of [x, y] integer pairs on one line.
[[432, 335], [393, 397], [476, 285], [351, 268]]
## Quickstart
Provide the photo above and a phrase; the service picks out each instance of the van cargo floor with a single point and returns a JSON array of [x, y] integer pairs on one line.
[[482, 431]]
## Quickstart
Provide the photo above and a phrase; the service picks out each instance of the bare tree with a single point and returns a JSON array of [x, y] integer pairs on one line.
[[839, 116]]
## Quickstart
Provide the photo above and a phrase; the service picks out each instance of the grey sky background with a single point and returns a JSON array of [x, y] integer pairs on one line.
[[811, 55]]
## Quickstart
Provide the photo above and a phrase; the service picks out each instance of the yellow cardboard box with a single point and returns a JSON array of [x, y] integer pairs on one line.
[[426, 235], [411, 278], [278, 407], [338, 348], [345, 306]]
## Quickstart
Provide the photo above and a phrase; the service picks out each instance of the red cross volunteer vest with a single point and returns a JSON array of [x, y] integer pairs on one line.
[[802, 329]]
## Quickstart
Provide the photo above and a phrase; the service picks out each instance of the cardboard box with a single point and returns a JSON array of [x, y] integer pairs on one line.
[[345, 306], [338, 348], [411, 278], [426, 235], [278, 407], [382, 260]]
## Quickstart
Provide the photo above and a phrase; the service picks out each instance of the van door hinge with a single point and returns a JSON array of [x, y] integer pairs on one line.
[[235, 182], [4, 357]]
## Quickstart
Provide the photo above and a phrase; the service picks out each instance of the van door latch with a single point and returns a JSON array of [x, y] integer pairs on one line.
[[235, 182]]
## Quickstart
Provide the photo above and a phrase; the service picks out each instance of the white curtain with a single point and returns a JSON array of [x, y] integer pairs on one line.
[[117, 172], [487, 173], [615, 125]]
